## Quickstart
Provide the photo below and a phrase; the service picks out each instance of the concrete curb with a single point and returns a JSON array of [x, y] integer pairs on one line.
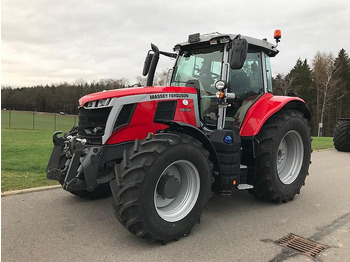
[[29, 190], [321, 150]]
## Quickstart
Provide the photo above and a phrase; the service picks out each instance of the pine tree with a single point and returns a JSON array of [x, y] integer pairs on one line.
[[302, 80], [342, 62]]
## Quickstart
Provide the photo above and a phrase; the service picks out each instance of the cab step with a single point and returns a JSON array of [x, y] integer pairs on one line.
[[244, 186]]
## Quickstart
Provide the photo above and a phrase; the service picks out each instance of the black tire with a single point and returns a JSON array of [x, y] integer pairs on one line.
[[341, 137], [136, 197], [283, 157]]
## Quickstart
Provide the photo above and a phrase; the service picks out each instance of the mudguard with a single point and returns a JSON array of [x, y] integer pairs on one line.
[[265, 107], [197, 134]]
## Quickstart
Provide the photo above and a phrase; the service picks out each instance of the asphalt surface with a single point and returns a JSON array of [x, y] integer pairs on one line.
[[54, 225]]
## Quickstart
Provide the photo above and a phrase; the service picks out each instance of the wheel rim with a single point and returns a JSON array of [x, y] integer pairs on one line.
[[178, 207], [290, 157]]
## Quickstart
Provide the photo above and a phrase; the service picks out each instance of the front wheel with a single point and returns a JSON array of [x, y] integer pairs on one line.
[[283, 157], [162, 186]]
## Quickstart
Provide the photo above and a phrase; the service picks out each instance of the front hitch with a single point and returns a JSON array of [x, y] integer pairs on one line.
[[74, 164]]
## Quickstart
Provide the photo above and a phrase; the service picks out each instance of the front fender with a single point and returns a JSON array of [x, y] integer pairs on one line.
[[265, 107], [197, 134]]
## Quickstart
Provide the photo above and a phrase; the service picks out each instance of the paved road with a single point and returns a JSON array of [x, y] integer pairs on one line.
[[56, 226]]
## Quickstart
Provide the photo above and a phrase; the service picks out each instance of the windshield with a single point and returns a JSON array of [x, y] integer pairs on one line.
[[202, 64]]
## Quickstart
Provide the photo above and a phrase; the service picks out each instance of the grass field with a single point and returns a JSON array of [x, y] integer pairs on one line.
[[24, 156], [25, 153], [319, 143], [42, 121]]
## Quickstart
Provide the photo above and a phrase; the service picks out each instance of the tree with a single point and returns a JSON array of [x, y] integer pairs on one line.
[[342, 62], [57, 97], [302, 80], [161, 78], [325, 82], [282, 85], [141, 80]]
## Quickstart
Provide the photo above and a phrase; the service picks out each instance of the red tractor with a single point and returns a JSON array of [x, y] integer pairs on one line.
[[216, 127]]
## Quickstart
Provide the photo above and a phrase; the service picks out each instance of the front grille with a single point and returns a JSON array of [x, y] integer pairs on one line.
[[92, 123]]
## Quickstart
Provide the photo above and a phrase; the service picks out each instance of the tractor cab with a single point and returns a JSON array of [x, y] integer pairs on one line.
[[234, 65]]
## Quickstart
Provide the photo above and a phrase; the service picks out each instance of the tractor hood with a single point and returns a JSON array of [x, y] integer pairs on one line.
[[134, 91]]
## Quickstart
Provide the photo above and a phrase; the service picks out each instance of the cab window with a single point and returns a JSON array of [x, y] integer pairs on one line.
[[249, 79]]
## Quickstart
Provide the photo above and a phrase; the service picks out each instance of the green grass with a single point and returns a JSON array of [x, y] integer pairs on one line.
[[24, 156], [25, 152], [42, 121], [319, 143]]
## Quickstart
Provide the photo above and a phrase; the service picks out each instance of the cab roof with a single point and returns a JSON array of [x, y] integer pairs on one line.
[[259, 44]]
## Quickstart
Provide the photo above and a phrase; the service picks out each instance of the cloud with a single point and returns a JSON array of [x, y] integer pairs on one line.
[[45, 42]]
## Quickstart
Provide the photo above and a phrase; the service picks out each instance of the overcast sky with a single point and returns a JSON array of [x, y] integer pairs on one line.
[[45, 42]]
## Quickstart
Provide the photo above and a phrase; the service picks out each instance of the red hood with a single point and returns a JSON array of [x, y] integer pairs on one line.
[[135, 91]]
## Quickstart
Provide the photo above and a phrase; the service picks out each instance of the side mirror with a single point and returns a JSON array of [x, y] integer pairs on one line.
[[147, 63], [239, 50]]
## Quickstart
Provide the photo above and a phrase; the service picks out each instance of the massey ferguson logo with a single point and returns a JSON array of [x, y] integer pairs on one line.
[[168, 96]]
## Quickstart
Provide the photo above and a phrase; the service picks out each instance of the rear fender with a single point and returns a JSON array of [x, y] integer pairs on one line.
[[267, 106]]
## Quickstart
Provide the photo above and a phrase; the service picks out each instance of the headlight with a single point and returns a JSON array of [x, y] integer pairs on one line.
[[90, 104], [220, 85], [103, 102], [98, 103]]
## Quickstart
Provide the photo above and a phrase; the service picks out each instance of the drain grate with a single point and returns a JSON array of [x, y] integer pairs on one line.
[[303, 245]]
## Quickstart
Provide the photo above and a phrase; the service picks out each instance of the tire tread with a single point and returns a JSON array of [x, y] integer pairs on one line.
[[132, 172]]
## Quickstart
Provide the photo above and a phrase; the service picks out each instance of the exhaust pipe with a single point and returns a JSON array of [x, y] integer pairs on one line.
[[153, 65]]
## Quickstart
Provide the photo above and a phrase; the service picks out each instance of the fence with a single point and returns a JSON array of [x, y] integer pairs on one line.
[[37, 120]]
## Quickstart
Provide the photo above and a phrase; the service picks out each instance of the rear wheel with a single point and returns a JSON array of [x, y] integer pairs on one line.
[[283, 157], [162, 186], [342, 136]]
